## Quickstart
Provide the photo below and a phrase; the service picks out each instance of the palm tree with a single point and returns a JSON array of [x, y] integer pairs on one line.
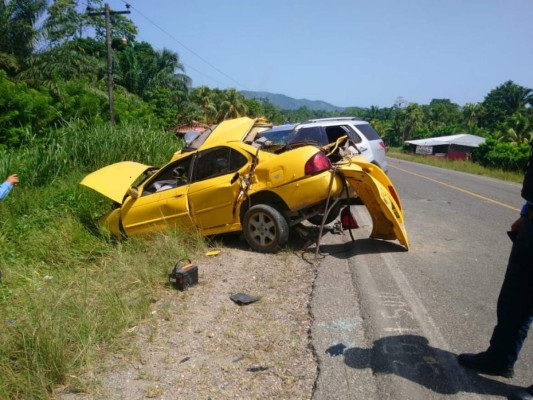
[[204, 97], [518, 129], [407, 121], [518, 98], [142, 70], [64, 23], [69, 61], [233, 105], [472, 114], [17, 30]]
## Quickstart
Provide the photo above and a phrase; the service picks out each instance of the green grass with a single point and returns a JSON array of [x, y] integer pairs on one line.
[[69, 290], [458, 165]]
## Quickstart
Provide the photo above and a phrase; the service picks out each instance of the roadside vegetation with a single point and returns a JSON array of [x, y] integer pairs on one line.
[[458, 165], [67, 289], [53, 70]]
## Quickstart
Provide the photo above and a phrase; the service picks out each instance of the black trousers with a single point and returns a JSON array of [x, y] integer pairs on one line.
[[515, 302]]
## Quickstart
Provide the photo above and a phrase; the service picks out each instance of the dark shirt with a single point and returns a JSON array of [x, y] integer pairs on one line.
[[527, 188]]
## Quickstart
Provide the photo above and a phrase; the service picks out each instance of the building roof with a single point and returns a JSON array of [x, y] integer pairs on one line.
[[461, 139], [182, 129]]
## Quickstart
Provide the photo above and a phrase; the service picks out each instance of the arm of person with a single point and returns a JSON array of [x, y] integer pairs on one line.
[[517, 225], [5, 188]]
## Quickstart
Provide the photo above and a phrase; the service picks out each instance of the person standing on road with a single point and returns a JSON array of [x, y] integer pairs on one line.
[[515, 302], [6, 187]]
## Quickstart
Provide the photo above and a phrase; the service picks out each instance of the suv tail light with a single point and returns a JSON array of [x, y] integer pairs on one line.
[[316, 164], [382, 144]]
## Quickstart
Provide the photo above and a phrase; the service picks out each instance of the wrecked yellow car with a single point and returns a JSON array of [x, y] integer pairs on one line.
[[227, 183]]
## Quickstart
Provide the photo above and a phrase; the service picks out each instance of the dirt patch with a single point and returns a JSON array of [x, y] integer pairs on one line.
[[198, 344]]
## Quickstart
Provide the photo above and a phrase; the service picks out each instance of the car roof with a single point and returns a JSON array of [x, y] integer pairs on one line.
[[334, 120]]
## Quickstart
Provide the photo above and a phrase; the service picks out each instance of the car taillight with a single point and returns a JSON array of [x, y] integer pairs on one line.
[[382, 144], [393, 193], [316, 164]]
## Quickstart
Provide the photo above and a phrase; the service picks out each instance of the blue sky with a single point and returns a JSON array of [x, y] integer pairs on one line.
[[346, 52]]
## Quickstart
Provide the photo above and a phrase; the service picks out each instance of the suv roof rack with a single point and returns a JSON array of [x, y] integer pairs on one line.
[[332, 119]]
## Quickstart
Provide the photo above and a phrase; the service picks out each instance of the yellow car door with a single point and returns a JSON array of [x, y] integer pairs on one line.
[[156, 212], [216, 186], [380, 198], [161, 202]]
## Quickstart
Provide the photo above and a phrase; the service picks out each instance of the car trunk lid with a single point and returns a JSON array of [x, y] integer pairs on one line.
[[380, 198]]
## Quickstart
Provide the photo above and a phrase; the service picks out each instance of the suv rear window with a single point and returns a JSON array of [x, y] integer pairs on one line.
[[368, 131]]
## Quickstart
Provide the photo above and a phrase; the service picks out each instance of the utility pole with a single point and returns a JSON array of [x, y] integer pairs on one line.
[[107, 13]]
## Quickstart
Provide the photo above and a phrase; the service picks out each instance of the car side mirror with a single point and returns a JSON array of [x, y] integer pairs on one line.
[[133, 192]]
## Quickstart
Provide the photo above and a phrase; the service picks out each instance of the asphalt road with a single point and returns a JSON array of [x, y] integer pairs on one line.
[[389, 323]]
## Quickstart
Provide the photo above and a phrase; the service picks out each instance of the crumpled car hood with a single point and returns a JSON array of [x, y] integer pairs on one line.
[[114, 180]]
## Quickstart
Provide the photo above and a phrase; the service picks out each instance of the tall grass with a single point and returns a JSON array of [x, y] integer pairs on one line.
[[80, 147], [67, 289]]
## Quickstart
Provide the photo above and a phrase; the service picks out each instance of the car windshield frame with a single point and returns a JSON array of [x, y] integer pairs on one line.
[[277, 136], [308, 134]]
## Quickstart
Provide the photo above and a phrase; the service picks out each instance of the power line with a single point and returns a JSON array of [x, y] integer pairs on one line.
[[194, 69], [185, 64], [186, 47], [190, 67]]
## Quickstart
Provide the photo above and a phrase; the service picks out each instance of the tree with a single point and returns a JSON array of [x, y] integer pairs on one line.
[[517, 129], [233, 105], [63, 22], [74, 60], [406, 122], [142, 70], [25, 111], [473, 115], [442, 113], [205, 99], [18, 31], [505, 101], [121, 26]]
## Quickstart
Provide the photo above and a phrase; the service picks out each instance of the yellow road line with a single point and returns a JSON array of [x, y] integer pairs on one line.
[[457, 188]]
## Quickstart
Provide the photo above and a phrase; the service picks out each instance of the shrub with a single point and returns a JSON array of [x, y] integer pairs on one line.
[[25, 109], [507, 156]]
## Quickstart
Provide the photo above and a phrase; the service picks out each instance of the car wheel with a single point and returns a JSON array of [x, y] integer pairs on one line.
[[333, 214], [265, 229]]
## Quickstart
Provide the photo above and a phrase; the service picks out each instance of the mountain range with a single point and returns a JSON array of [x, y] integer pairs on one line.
[[288, 103]]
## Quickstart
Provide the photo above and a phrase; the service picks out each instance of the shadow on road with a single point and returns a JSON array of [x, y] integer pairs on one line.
[[411, 357], [361, 246]]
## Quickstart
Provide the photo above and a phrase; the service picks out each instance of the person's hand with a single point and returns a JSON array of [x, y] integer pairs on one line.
[[13, 179], [518, 224]]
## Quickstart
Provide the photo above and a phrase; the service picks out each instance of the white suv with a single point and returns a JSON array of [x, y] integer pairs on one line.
[[327, 130]]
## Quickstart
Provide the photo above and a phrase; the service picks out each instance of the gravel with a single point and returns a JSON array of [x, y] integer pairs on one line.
[[199, 344]]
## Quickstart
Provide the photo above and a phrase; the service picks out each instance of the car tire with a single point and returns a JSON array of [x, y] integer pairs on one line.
[[333, 214], [265, 229]]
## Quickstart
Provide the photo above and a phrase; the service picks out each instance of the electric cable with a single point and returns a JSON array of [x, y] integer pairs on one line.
[[128, 4]]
